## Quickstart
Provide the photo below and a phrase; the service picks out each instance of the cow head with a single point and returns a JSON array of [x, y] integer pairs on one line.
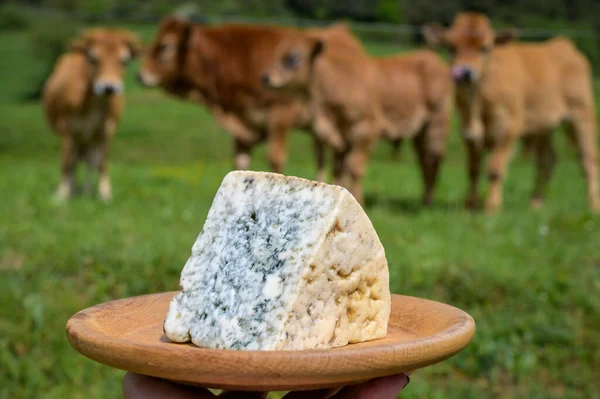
[[107, 52], [293, 62], [164, 57], [470, 39]]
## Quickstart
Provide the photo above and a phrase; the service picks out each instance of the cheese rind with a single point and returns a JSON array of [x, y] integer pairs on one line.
[[282, 263]]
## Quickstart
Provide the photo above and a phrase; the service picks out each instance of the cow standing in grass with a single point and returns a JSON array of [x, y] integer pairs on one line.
[[83, 102], [509, 91], [416, 97], [220, 67], [356, 99]]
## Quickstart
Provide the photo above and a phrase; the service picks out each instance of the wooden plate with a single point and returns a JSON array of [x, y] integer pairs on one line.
[[128, 334]]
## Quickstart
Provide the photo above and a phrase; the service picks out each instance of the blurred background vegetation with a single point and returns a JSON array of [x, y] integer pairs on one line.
[[394, 11], [52, 22]]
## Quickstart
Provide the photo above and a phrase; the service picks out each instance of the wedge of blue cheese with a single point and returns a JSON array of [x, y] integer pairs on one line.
[[282, 263]]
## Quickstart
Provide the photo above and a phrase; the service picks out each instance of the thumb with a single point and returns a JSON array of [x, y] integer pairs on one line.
[[380, 388], [317, 394], [136, 386], [243, 394]]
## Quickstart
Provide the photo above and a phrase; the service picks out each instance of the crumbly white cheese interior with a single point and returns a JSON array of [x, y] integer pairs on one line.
[[282, 263]]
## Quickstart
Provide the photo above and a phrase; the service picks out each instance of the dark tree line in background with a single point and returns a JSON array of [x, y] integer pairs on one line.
[[52, 22], [515, 12]]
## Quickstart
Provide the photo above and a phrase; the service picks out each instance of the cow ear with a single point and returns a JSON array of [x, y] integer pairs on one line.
[[85, 40], [134, 44], [184, 37], [504, 36], [318, 47], [77, 45], [433, 33], [170, 21], [186, 29]]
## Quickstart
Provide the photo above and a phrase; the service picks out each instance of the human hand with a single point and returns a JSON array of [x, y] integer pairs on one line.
[[136, 386]]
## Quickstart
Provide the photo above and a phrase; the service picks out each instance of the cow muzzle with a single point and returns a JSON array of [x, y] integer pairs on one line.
[[266, 80], [463, 74], [106, 88], [272, 81], [146, 79]]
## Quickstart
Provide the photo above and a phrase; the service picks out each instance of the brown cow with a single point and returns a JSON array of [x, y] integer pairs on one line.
[[221, 67], [417, 98], [83, 102], [335, 74], [355, 98], [506, 91]]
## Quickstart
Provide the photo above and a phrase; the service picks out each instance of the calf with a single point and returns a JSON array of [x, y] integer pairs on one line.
[[416, 97], [355, 98], [83, 101], [508, 91], [335, 76], [220, 67]]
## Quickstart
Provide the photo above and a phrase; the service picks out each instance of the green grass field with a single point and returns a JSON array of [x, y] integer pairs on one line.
[[530, 279]]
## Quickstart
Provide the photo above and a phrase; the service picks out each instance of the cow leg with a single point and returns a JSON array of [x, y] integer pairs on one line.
[[234, 126], [429, 161], [319, 147], [338, 168], [243, 137], [528, 145], [545, 163], [570, 133], [241, 155], [68, 163], [277, 148], [326, 130], [497, 166], [421, 151], [396, 146], [101, 159], [93, 155], [584, 129], [356, 163], [90, 156], [431, 143], [475, 155]]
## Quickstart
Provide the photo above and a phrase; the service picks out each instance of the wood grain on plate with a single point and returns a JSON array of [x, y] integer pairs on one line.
[[128, 334]]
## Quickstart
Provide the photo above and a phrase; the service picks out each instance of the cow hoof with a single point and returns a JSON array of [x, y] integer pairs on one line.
[[537, 203], [320, 177], [471, 203], [105, 194], [242, 162], [105, 189], [426, 202], [337, 143], [61, 195], [595, 207], [492, 207], [59, 199], [106, 198]]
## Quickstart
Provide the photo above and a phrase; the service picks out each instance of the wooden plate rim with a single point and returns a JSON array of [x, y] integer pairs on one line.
[[122, 353]]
